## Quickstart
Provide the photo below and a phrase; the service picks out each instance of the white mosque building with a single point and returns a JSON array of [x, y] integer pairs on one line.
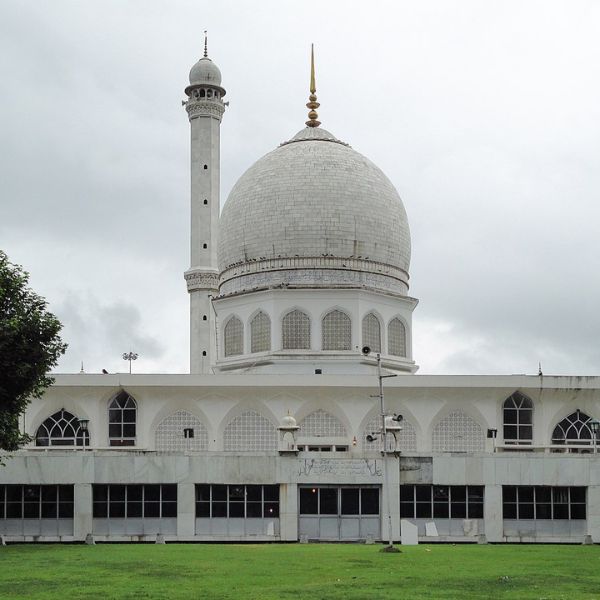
[[299, 298]]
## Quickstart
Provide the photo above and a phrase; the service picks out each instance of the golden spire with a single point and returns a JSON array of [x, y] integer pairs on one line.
[[312, 103], [205, 45]]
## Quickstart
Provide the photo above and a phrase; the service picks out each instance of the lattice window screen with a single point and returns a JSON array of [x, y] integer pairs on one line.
[[457, 432], [321, 424], [371, 332], [234, 337], [250, 432], [296, 331], [336, 331], [407, 438], [169, 434], [396, 338], [260, 333]]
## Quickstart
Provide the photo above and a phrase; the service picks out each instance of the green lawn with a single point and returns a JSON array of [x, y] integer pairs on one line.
[[306, 571]]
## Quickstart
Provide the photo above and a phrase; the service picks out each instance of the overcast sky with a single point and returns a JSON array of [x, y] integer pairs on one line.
[[485, 115]]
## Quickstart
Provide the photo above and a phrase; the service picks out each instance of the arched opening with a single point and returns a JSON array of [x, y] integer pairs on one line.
[[518, 419], [573, 430], [122, 419], [296, 331], [260, 333], [233, 337], [61, 429], [371, 332], [336, 331], [396, 338]]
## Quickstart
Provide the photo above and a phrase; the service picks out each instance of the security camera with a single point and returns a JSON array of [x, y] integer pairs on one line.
[[366, 350], [371, 438], [398, 418]]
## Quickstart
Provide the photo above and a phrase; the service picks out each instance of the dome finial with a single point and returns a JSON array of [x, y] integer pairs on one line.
[[205, 44], [312, 99]]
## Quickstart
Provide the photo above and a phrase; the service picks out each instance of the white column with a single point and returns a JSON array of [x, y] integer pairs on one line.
[[186, 510], [288, 512], [82, 510], [492, 513]]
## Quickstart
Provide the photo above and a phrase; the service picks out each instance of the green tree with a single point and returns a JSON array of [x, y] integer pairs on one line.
[[29, 347]]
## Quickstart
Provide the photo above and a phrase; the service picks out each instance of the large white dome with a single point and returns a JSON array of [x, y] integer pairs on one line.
[[314, 212]]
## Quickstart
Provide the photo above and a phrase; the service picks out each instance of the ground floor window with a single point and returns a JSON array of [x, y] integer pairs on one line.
[[441, 501], [134, 501], [237, 501], [543, 502], [339, 500], [36, 501]]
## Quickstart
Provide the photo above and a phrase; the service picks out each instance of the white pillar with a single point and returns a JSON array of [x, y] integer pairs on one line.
[[288, 512], [593, 512], [186, 510], [82, 510], [492, 513]]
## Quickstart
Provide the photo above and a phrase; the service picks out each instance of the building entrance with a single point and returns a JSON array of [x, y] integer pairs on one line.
[[337, 513]]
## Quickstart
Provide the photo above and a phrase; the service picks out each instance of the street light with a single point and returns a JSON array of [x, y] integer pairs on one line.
[[366, 351], [130, 356], [594, 425], [83, 425]]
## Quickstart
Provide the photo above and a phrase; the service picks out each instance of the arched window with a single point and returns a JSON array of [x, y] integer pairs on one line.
[[260, 333], [406, 438], [234, 337], [321, 424], [250, 432], [371, 333], [458, 432], [396, 338], [296, 331], [122, 417], [181, 431], [574, 429], [61, 429], [336, 331], [518, 419]]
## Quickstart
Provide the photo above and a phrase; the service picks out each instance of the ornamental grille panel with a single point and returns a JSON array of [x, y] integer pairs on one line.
[[406, 438], [518, 419], [171, 433], [260, 333], [61, 429], [336, 331], [234, 337], [296, 331], [321, 424], [250, 432], [457, 432], [371, 332], [574, 429], [396, 338]]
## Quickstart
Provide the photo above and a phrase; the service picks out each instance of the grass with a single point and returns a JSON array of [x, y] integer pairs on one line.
[[298, 571]]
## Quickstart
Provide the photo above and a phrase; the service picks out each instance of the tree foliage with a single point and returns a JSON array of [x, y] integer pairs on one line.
[[30, 346]]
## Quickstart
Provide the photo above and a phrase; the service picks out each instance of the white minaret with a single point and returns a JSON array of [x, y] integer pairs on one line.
[[205, 109]]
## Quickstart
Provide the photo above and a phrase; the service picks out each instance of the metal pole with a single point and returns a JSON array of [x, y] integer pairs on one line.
[[385, 457]]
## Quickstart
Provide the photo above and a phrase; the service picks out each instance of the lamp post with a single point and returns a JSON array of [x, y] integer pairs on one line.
[[130, 356], [594, 426], [83, 425], [380, 377]]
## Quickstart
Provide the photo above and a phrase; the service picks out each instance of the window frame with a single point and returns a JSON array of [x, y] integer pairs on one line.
[[236, 500], [118, 406]]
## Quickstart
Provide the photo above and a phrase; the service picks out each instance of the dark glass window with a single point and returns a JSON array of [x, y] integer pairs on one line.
[[237, 501], [134, 501], [122, 416], [328, 501], [441, 502], [350, 501], [36, 501], [543, 502], [518, 420]]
